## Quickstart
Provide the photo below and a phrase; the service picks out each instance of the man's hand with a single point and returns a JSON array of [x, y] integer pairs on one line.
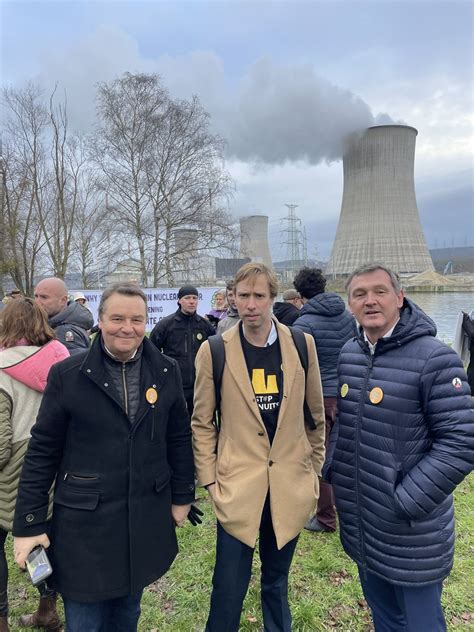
[[195, 515], [210, 488], [180, 513], [22, 547]]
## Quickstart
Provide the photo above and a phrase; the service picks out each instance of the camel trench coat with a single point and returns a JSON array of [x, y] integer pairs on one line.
[[240, 459]]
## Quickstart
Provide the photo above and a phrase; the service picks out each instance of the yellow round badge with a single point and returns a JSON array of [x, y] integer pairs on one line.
[[376, 395], [151, 396], [199, 336], [344, 390]]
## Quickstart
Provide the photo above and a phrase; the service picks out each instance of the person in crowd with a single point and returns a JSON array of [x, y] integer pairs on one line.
[[288, 310], [404, 441], [70, 321], [232, 316], [79, 298], [180, 335], [219, 307], [261, 469], [15, 293], [325, 317], [114, 433], [28, 350], [468, 328]]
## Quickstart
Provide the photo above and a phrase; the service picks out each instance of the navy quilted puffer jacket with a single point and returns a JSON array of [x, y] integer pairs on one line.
[[326, 318], [396, 462]]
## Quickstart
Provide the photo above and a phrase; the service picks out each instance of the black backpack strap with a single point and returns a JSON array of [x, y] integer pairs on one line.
[[216, 345], [300, 343]]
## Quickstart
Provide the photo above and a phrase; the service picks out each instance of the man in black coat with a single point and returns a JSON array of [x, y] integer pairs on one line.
[[114, 433], [180, 335], [288, 310], [71, 321], [405, 439]]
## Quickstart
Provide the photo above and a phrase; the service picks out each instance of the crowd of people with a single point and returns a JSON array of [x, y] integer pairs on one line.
[[293, 414]]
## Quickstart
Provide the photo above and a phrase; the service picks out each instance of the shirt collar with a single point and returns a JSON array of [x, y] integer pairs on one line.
[[384, 337], [272, 336]]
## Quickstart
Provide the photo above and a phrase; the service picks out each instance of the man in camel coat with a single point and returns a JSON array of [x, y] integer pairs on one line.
[[261, 470]]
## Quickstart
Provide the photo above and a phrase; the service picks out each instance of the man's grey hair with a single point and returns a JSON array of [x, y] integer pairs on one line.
[[373, 267], [125, 289]]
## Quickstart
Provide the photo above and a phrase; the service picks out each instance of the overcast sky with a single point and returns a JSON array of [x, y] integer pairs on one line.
[[283, 81]]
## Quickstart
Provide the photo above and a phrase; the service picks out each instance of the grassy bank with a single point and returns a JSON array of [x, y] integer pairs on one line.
[[324, 590]]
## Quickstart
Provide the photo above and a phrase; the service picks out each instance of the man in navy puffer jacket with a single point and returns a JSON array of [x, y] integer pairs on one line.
[[325, 317], [405, 440]]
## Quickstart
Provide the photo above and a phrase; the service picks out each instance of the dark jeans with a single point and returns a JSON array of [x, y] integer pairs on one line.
[[113, 615], [232, 575], [402, 608], [326, 510]]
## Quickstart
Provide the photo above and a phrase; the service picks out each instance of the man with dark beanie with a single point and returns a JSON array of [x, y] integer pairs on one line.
[[325, 317], [180, 335]]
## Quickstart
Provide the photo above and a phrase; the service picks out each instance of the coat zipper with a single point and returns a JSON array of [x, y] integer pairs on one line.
[[357, 455], [125, 392]]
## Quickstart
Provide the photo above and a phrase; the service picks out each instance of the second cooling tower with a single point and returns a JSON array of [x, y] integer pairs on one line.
[[254, 239], [379, 218]]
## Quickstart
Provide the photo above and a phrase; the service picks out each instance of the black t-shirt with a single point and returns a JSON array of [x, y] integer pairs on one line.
[[264, 367]]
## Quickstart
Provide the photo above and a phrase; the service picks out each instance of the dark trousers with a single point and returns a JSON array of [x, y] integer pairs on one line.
[[402, 608], [232, 575], [3, 575], [326, 510], [112, 615]]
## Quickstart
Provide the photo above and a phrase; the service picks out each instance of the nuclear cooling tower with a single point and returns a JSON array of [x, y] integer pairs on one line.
[[254, 239], [379, 218]]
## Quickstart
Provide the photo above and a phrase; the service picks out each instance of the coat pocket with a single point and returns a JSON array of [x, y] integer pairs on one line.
[[77, 499], [162, 480]]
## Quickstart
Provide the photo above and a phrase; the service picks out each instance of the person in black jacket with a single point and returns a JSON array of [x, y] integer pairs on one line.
[[405, 439], [114, 434], [288, 310], [325, 317], [180, 336], [70, 321]]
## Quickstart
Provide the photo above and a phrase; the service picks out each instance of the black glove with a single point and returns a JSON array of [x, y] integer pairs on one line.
[[194, 516]]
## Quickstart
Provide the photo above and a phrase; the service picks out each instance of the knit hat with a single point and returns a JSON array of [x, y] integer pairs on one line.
[[187, 290]]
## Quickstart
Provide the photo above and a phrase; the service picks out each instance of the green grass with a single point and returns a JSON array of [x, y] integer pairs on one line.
[[324, 590]]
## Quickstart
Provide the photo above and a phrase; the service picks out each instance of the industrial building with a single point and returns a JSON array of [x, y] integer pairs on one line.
[[379, 218]]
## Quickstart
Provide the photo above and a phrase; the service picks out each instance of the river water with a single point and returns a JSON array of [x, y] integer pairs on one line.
[[444, 309]]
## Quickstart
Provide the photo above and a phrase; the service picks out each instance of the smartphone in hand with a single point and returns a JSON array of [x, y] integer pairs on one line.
[[38, 565]]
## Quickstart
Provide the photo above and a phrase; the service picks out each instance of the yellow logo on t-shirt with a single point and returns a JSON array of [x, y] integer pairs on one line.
[[262, 387]]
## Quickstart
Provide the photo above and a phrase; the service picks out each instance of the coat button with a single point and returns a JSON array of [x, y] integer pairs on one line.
[[29, 518], [270, 463], [261, 433], [105, 384]]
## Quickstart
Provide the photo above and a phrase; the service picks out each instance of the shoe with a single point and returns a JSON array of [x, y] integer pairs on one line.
[[4, 624], [314, 525], [45, 617]]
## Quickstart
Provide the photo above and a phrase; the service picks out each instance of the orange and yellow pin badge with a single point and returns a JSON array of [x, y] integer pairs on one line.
[[151, 396], [376, 395], [344, 390]]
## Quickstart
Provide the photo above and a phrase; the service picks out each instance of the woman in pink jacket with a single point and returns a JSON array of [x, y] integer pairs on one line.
[[28, 349]]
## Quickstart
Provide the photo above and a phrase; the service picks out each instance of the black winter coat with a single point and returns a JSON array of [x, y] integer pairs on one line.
[[285, 313], [71, 327], [180, 337], [326, 318], [112, 531], [396, 462]]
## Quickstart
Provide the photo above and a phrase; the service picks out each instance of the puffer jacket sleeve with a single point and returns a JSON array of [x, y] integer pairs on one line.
[[449, 413], [6, 430]]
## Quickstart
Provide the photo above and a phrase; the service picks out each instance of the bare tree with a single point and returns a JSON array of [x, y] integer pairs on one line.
[[24, 176], [163, 171]]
